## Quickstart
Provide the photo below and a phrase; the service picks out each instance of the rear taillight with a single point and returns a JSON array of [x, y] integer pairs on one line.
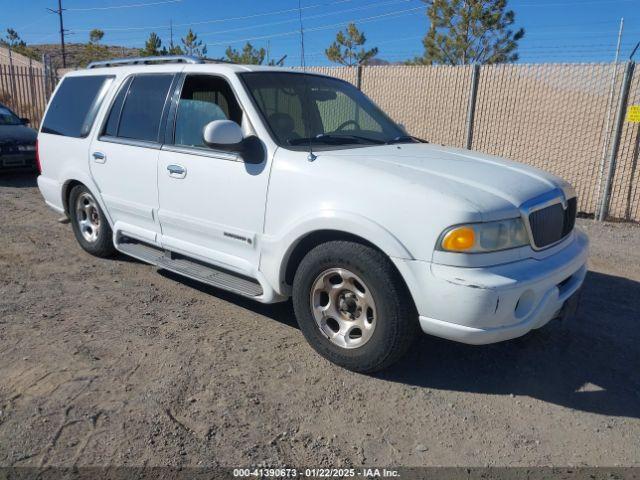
[[38, 158]]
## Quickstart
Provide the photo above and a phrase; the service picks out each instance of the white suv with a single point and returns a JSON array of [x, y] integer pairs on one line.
[[273, 184]]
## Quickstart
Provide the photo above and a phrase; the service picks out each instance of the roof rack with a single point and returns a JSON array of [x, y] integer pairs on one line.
[[118, 62]]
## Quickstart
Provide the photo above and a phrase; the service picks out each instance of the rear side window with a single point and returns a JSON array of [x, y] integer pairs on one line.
[[142, 111], [75, 105], [111, 128]]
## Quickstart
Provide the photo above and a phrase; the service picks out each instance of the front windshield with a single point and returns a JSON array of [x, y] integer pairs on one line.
[[7, 117], [302, 108]]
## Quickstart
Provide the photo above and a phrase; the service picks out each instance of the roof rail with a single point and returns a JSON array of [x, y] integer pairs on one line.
[[117, 62]]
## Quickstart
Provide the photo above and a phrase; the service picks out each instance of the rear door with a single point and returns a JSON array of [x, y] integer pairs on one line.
[[124, 155]]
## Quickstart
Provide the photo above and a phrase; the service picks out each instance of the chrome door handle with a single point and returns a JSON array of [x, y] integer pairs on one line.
[[177, 171], [99, 157]]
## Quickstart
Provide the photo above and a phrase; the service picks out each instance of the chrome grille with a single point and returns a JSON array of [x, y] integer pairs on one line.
[[551, 224]]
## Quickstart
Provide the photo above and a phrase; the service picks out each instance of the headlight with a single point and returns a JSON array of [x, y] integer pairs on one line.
[[484, 237]]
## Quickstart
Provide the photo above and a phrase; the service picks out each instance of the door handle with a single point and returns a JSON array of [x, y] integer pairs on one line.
[[99, 157], [177, 171]]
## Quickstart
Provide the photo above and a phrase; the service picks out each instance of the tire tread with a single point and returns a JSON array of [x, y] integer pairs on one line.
[[103, 247], [380, 270]]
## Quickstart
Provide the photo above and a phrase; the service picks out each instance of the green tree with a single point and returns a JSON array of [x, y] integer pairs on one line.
[[345, 49], [12, 40], [153, 46], [192, 46], [95, 36], [469, 31], [93, 50], [173, 50], [247, 56]]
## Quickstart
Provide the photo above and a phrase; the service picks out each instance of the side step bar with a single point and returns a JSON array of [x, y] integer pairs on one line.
[[189, 267]]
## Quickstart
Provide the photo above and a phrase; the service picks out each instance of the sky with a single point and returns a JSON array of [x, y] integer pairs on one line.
[[556, 30]]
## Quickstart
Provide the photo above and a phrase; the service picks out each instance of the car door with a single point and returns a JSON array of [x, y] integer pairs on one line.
[[124, 156], [211, 203]]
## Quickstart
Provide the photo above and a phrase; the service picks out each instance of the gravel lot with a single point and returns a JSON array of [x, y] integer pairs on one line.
[[107, 362]]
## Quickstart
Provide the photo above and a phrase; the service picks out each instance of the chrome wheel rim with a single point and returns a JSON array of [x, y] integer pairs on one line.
[[343, 308], [88, 217]]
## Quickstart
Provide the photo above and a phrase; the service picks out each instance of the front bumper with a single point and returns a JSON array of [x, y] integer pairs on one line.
[[492, 304]]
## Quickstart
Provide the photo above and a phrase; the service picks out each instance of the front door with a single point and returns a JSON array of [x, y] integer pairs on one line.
[[211, 203], [124, 155]]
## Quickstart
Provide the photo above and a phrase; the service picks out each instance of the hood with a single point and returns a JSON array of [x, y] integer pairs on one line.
[[493, 186], [18, 134]]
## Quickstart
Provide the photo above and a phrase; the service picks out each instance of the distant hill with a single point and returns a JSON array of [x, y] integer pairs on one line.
[[79, 55]]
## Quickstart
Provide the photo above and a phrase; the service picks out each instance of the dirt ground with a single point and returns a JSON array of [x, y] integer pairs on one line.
[[107, 362]]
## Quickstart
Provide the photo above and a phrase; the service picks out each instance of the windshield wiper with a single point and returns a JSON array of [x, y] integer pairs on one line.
[[332, 139], [361, 138], [405, 139]]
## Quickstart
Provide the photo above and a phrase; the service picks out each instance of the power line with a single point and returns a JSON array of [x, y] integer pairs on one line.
[[320, 15], [39, 20], [114, 7], [292, 20], [219, 20], [373, 18], [568, 4], [388, 15]]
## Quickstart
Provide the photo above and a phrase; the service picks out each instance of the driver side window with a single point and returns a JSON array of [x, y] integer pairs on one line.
[[344, 114], [204, 98]]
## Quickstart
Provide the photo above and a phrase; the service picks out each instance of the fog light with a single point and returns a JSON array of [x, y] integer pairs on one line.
[[525, 304]]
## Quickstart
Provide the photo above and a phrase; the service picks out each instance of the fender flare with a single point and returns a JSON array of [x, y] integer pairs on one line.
[[277, 250], [76, 175]]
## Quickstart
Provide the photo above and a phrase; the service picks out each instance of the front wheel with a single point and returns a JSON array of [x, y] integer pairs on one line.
[[353, 307], [89, 223]]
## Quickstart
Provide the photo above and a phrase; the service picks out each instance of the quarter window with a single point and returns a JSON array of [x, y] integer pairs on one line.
[[142, 111], [75, 105], [111, 128], [204, 98]]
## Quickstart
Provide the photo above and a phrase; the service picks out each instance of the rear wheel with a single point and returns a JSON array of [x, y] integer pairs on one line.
[[89, 223], [353, 307]]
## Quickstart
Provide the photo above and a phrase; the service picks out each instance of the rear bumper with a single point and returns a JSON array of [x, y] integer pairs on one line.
[[488, 305], [51, 192], [16, 161]]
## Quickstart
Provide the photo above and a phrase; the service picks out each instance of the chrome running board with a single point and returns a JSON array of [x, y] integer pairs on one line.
[[189, 267]]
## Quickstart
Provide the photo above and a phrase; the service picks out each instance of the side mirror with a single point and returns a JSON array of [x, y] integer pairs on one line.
[[223, 134], [25, 121]]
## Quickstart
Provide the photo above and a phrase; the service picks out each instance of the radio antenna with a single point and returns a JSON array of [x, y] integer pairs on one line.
[[311, 156]]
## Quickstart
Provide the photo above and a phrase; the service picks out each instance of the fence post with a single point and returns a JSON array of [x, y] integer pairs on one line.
[[359, 77], [12, 75], [471, 110], [45, 83], [615, 145], [32, 88]]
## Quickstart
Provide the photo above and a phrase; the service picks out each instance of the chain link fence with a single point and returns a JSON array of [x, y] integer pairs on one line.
[[562, 118], [557, 117]]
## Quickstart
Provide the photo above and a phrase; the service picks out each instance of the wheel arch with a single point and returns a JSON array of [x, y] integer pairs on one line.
[[281, 254], [66, 192], [311, 240], [74, 178]]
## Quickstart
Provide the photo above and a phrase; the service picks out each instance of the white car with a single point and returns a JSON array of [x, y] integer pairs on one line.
[[273, 183]]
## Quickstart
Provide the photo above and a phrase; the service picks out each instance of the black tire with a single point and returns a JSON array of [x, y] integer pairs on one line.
[[396, 319], [102, 246]]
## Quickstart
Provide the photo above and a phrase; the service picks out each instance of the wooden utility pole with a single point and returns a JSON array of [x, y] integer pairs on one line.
[[62, 31]]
